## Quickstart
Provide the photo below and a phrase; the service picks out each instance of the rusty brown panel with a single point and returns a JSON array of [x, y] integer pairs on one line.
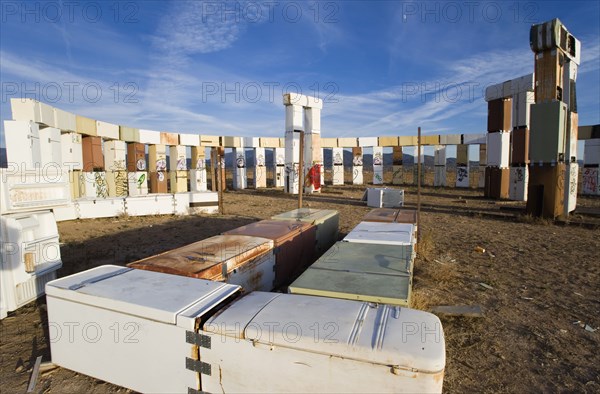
[[277, 230], [204, 259], [381, 215], [407, 216]]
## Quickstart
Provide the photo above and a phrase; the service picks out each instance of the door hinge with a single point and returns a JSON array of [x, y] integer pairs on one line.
[[197, 339], [195, 391], [197, 366]]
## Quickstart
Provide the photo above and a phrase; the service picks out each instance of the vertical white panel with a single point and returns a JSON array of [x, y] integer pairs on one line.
[[338, 166], [240, 179], [71, 151], [294, 118], [439, 176], [462, 176], [260, 168], [177, 158], [138, 183], [498, 147], [50, 147], [519, 180], [312, 120], [115, 154], [377, 165], [571, 179], [22, 144]]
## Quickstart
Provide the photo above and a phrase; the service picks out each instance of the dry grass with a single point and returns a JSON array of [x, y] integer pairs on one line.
[[423, 299], [529, 219], [124, 216], [425, 245], [443, 273]]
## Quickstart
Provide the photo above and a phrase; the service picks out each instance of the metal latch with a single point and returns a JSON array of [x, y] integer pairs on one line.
[[197, 366], [197, 339]]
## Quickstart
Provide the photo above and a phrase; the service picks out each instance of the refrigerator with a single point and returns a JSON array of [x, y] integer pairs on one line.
[[294, 244], [363, 272], [383, 197], [30, 257], [382, 233], [407, 216], [132, 328], [156, 333], [387, 215], [327, 222], [237, 259], [287, 343], [150, 204]]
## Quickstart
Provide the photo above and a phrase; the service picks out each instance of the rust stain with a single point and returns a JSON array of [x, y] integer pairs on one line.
[[439, 377], [205, 259], [277, 230]]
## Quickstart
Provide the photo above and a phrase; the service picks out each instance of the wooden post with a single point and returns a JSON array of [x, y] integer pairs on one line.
[[301, 171], [213, 166], [418, 184]]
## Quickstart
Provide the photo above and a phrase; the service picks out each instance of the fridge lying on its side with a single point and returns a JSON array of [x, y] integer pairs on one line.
[[236, 259], [294, 245], [327, 222], [154, 333], [131, 327], [364, 272], [382, 233], [384, 215]]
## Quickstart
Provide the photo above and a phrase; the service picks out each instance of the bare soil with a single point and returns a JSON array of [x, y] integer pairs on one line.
[[538, 279]]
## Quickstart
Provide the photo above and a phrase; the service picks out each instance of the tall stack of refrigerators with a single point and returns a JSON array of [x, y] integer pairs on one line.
[[553, 174], [497, 172]]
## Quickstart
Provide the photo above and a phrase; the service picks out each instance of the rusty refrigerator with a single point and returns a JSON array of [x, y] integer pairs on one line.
[[327, 222], [364, 272], [235, 259], [294, 245]]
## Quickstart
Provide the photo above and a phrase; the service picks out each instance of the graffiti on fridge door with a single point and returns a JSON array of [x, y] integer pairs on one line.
[[461, 174], [101, 185], [240, 161], [161, 165]]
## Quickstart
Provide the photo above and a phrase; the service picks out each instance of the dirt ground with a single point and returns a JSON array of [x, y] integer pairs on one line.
[[538, 279]]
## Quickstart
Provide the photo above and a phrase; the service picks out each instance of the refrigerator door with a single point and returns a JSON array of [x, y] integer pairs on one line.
[[263, 342], [130, 327], [374, 273], [382, 233], [407, 216], [294, 245], [381, 215], [30, 256], [149, 295]]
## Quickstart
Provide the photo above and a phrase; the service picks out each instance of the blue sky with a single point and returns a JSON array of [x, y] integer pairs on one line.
[[382, 67]]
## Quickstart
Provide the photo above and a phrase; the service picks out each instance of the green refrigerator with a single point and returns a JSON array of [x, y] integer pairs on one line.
[[364, 272]]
